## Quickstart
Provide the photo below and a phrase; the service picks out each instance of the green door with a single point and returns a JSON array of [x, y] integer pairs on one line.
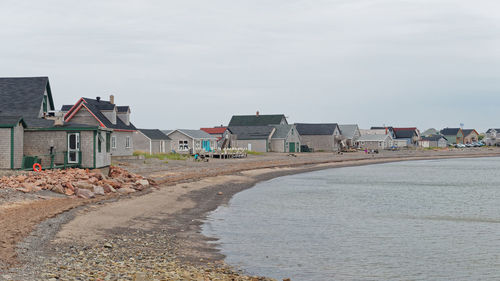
[[291, 145]]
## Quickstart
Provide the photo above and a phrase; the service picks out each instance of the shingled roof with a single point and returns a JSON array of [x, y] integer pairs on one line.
[[405, 133], [251, 132], [433, 138], [96, 106], [257, 120], [450, 131], [11, 121], [282, 131], [468, 132], [316, 129], [24, 96], [154, 134], [195, 134]]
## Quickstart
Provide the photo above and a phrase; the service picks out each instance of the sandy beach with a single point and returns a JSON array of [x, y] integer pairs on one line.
[[155, 234]]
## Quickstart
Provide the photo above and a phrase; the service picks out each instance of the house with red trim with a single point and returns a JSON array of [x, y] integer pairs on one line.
[[31, 131], [217, 132], [106, 115]]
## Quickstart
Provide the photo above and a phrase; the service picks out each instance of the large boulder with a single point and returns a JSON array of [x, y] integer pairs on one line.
[[85, 193], [98, 190], [83, 185]]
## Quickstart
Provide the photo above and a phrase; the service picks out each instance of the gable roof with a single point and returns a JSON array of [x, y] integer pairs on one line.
[[282, 131], [214, 130], [375, 137], [195, 134], [349, 130], [489, 130], [95, 107], [433, 138], [450, 131], [316, 129], [256, 120], [24, 96], [66, 107], [123, 108], [405, 133], [469, 131], [251, 132], [154, 134]]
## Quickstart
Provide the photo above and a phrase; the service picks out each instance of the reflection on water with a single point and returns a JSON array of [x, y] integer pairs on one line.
[[422, 220]]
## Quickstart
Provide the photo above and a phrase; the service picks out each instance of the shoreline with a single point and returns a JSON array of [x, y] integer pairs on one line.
[[190, 204]]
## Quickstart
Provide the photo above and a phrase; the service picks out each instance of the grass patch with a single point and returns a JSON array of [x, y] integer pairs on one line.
[[163, 156], [254, 153]]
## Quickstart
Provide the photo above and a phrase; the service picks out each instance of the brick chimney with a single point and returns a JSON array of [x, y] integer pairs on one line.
[[112, 99]]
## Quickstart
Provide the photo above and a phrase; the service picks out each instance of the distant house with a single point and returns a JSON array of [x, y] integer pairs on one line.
[[253, 138], [105, 114], [217, 132], [257, 120], [406, 137], [492, 137], [351, 134], [191, 141], [151, 141], [379, 131], [430, 132], [320, 136], [31, 129], [375, 141], [433, 141], [470, 136], [453, 135], [285, 139]]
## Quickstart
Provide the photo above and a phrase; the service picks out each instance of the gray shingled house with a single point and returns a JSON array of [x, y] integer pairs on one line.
[[151, 141], [320, 136], [285, 139], [351, 134], [40, 134], [191, 141], [106, 115], [253, 138], [257, 120]]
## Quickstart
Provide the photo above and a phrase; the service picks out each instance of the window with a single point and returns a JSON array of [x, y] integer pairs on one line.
[[183, 145], [127, 142], [108, 142], [113, 141], [99, 143]]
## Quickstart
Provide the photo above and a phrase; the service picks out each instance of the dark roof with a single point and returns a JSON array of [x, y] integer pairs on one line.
[[40, 123], [316, 129], [124, 108], [251, 132], [96, 106], [381, 128], [24, 96], [433, 138], [66, 107], [468, 131], [154, 134], [11, 121], [450, 131], [489, 130], [405, 133], [256, 120]]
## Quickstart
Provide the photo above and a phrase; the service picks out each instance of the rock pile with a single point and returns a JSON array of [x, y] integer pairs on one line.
[[81, 183]]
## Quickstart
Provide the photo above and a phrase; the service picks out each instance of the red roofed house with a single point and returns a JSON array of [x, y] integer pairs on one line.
[[217, 132]]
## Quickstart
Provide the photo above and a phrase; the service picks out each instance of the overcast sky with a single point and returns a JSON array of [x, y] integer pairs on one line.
[[191, 64]]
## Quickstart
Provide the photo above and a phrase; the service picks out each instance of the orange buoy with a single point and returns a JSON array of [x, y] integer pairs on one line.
[[37, 167]]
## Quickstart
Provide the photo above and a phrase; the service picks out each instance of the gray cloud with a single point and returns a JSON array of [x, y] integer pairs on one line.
[[195, 63]]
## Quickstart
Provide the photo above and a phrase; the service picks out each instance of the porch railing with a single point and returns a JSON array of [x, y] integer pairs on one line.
[[57, 160]]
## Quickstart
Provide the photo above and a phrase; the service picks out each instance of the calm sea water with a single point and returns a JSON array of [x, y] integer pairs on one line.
[[421, 220]]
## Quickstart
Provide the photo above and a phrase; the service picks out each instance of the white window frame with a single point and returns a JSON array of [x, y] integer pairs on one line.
[[183, 145], [113, 142], [127, 142]]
